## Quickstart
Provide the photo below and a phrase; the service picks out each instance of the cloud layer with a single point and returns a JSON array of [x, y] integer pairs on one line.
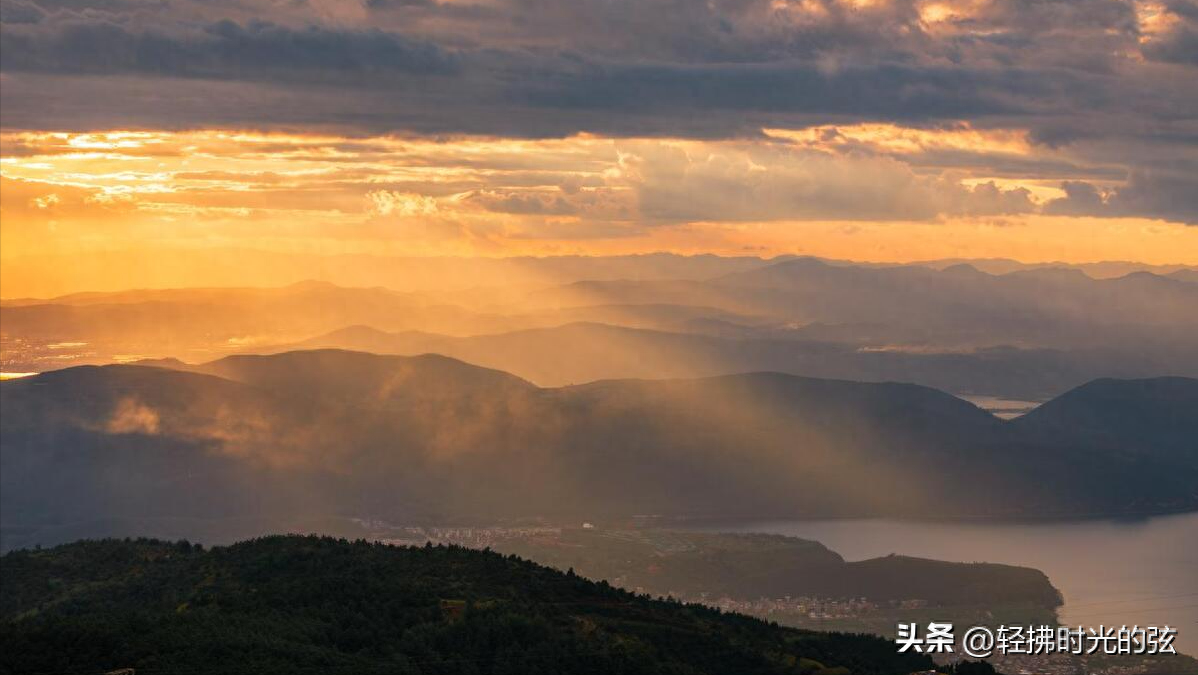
[[1101, 92], [868, 191]]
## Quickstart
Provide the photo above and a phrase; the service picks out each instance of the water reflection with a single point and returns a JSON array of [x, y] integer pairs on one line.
[[1142, 571]]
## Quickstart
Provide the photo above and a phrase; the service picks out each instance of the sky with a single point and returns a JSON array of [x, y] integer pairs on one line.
[[858, 129]]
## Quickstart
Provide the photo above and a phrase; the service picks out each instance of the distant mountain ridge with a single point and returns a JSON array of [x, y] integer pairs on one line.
[[1028, 333], [583, 352], [332, 432], [249, 267]]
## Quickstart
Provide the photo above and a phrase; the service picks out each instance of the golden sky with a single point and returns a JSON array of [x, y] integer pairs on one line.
[[880, 130], [861, 191]]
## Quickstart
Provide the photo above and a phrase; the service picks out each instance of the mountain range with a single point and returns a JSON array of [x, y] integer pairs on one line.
[[583, 352], [1028, 334], [330, 432], [23, 276]]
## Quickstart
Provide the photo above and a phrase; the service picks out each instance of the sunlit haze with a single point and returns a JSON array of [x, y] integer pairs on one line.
[[859, 192], [565, 337]]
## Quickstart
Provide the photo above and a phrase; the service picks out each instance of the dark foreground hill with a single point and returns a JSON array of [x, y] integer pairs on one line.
[[319, 605], [411, 438]]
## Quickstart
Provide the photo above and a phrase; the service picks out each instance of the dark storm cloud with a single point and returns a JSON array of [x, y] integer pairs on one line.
[[1146, 194], [623, 61], [101, 43], [1081, 199], [1178, 46], [1069, 71], [19, 11], [894, 92], [1179, 41], [1159, 195]]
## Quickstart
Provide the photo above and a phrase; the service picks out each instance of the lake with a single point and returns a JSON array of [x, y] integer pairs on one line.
[[1142, 571]]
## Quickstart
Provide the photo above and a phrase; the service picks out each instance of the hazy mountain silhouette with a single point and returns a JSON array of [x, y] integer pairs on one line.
[[330, 432], [175, 319], [1190, 275], [1029, 333], [584, 352], [958, 305], [24, 275]]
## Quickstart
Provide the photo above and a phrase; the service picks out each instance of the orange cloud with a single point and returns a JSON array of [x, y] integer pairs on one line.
[[861, 191]]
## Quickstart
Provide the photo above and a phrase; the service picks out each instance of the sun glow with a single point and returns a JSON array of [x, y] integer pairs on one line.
[[71, 194], [892, 138]]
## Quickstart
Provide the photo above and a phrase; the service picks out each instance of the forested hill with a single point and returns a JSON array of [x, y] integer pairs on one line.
[[319, 605]]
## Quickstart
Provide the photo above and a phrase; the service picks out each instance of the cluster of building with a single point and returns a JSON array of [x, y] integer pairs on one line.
[[18, 355], [472, 537], [808, 607], [812, 608]]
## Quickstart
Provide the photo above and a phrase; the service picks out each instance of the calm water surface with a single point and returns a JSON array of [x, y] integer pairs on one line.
[[1141, 571]]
